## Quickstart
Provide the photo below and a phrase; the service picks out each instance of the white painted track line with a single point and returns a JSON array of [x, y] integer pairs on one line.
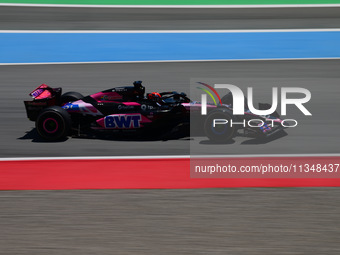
[[174, 157], [169, 31], [166, 61]]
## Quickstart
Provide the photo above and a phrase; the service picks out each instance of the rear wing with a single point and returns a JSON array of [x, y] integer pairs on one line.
[[43, 96], [44, 92]]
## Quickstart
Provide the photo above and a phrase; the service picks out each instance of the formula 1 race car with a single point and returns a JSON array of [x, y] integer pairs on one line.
[[115, 110], [127, 110]]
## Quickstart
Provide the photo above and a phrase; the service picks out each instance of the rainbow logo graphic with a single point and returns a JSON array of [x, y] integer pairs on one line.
[[209, 93]]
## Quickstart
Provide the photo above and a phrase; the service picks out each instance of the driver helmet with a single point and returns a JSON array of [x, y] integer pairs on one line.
[[154, 96]]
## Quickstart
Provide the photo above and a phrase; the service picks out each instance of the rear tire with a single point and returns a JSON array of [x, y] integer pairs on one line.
[[53, 123], [70, 97], [221, 133]]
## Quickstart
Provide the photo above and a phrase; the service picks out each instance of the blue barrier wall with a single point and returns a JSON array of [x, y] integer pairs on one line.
[[92, 47]]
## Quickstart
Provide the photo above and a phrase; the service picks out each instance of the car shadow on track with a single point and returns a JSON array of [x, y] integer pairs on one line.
[[251, 141], [35, 137], [256, 141], [209, 142]]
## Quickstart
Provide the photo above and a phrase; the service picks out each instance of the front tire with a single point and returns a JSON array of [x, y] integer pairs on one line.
[[53, 123], [222, 132]]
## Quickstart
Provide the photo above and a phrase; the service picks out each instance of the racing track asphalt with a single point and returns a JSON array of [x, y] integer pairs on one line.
[[202, 221], [31, 18], [316, 134]]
